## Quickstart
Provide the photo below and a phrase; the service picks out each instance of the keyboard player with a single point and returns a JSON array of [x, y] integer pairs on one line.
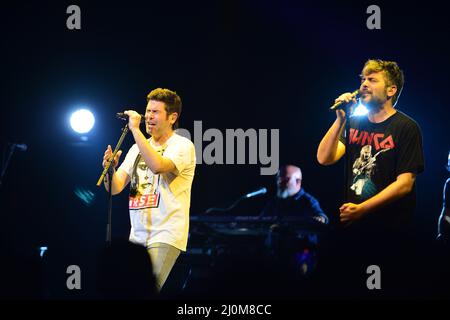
[[292, 200]]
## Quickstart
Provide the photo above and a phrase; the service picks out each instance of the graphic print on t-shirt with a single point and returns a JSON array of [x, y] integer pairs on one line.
[[144, 191], [364, 166]]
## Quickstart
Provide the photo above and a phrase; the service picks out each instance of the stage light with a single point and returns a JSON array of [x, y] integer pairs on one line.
[[82, 121], [360, 110], [85, 195], [42, 251]]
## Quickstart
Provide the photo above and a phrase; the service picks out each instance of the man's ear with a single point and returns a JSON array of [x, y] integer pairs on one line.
[[391, 91], [173, 117]]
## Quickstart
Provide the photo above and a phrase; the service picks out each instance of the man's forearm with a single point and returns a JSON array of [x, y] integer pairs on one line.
[[152, 158], [396, 190], [326, 152]]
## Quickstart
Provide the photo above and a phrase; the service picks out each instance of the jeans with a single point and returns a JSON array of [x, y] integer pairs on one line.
[[163, 257]]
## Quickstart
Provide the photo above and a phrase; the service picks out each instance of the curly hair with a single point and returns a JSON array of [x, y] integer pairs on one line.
[[392, 74]]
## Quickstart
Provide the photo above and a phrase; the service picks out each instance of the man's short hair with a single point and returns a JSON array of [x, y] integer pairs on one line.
[[393, 74], [171, 100]]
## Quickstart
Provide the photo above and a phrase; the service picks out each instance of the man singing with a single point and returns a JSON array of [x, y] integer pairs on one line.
[[385, 151], [385, 155], [161, 170]]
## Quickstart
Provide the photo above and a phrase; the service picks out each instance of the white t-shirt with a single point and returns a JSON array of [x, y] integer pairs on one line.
[[159, 210]]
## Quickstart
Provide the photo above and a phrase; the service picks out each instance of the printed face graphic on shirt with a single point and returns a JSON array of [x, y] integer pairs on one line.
[[363, 170], [144, 190], [366, 153], [142, 170]]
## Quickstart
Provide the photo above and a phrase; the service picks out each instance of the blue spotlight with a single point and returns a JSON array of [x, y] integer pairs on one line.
[[360, 110], [82, 121]]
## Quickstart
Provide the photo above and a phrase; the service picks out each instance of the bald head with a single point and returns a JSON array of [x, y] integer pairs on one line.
[[289, 181]]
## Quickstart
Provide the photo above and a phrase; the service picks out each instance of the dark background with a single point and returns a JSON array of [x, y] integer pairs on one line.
[[235, 64]]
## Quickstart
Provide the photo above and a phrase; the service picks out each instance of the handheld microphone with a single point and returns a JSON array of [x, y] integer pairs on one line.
[[123, 116], [256, 193], [340, 104]]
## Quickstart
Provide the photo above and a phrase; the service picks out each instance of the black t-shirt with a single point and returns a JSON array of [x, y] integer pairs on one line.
[[378, 153]]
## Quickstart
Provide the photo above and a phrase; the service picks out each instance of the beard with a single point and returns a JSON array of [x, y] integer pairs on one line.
[[374, 103], [283, 193]]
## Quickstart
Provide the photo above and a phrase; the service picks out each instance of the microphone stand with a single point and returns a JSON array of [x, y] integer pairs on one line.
[[347, 109], [109, 171], [347, 169], [5, 164], [209, 210], [347, 157], [234, 204]]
